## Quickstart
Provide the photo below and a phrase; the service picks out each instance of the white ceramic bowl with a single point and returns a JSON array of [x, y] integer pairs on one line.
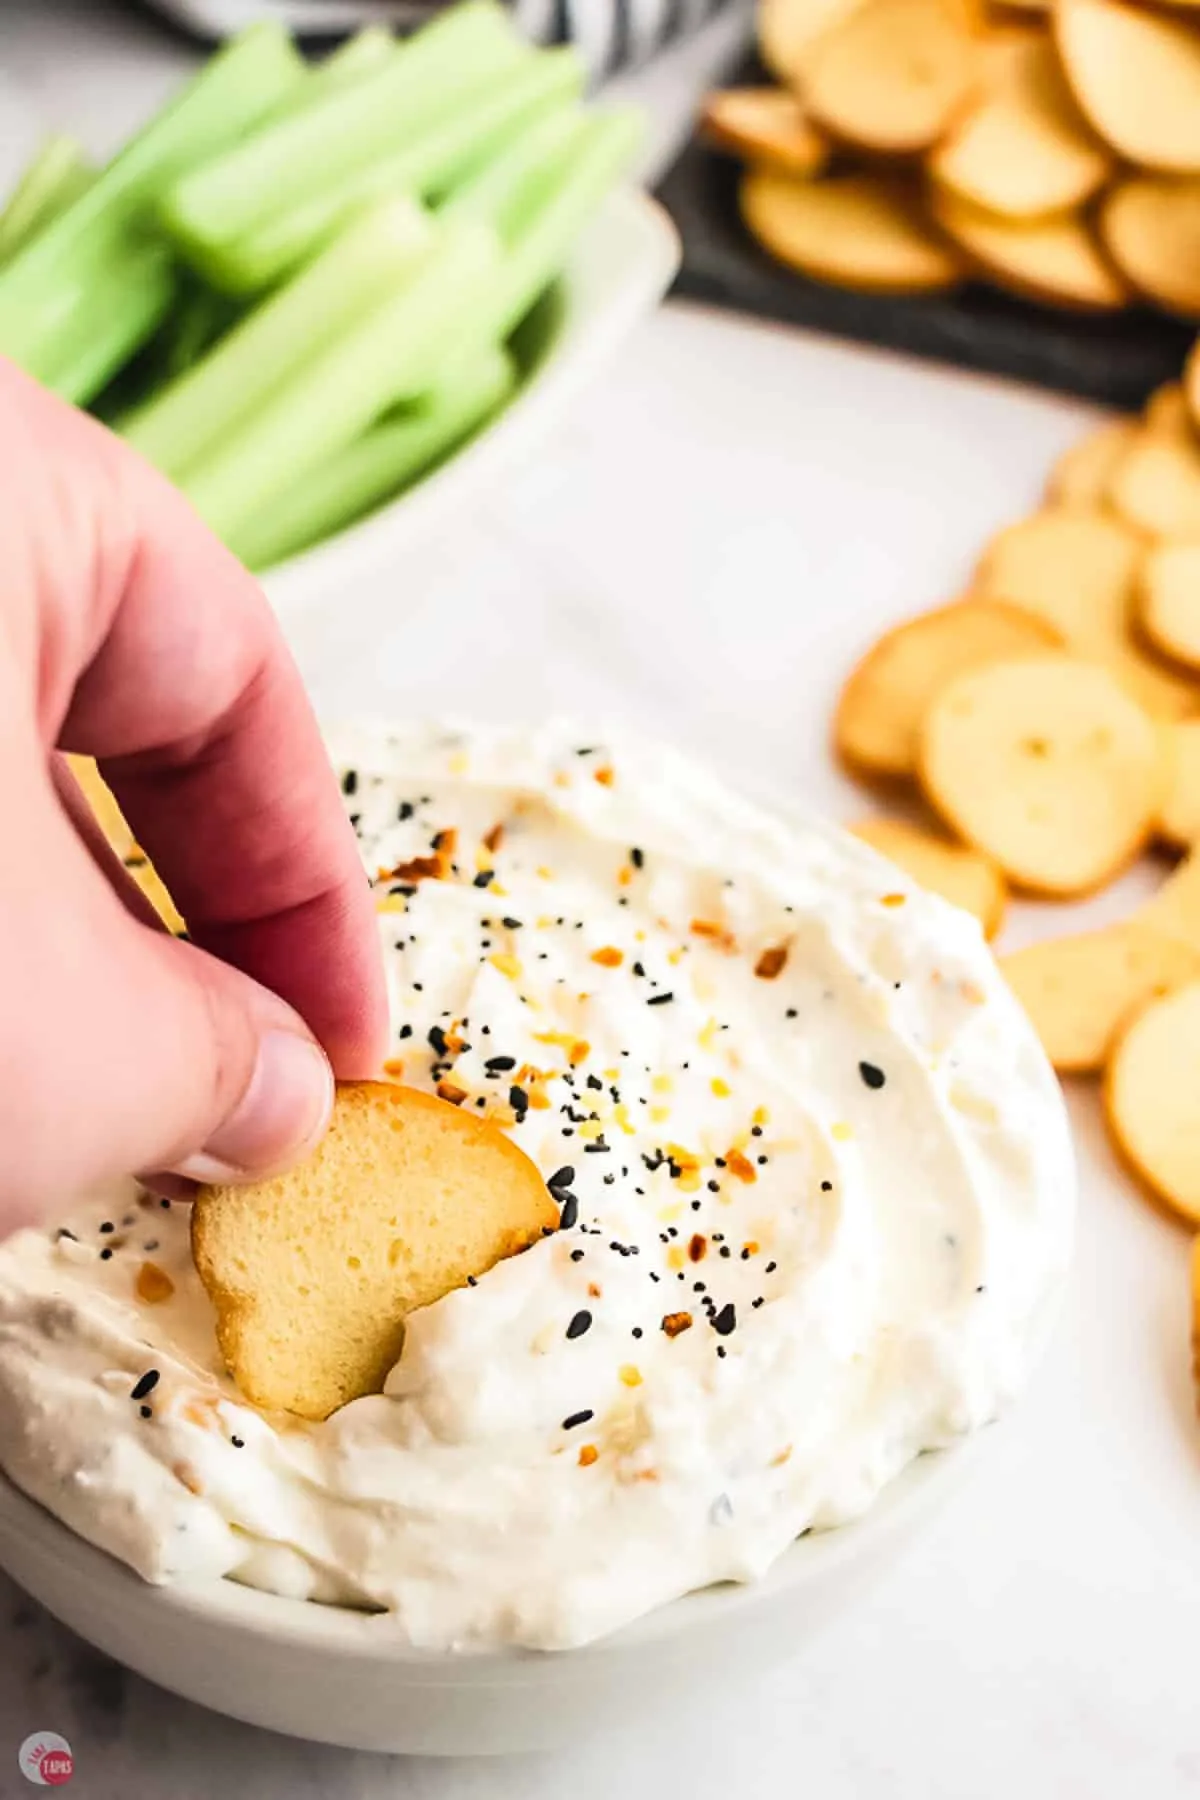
[[622, 267], [340, 1677]]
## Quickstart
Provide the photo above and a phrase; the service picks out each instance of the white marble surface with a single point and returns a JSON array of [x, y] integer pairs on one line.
[[703, 549]]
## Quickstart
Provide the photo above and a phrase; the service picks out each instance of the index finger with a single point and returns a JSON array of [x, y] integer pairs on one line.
[[158, 654]]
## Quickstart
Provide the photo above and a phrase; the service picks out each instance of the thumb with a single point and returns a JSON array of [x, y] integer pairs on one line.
[[124, 1050]]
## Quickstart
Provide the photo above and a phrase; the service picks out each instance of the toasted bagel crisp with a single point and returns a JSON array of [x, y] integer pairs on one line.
[[313, 1274]]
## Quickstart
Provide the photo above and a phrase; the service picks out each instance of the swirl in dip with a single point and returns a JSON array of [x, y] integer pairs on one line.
[[816, 1191]]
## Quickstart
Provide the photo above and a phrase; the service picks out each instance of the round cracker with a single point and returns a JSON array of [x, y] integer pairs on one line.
[[787, 30], [894, 75], [1150, 226], [1136, 76], [855, 231], [1054, 260], [1167, 410], [1168, 590], [1179, 816], [1189, 392], [1175, 908], [962, 876], [767, 126], [887, 694], [1155, 486], [1078, 991], [1077, 570], [1150, 1098], [1048, 766], [1024, 150], [1080, 476]]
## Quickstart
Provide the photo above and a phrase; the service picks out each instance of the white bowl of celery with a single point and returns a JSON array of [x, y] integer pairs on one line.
[[300, 290]]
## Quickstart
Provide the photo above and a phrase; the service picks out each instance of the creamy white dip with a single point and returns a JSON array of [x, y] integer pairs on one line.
[[816, 1188]]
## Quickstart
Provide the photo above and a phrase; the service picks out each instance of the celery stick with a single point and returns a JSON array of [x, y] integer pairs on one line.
[[58, 175], [363, 54], [195, 326], [378, 465], [336, 394], [234, 89], [479, 127], [319, 145], [599, 154], [116, 316], [358, 270], [501, 189]]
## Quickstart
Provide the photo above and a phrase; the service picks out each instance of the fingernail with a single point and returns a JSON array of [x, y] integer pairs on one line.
[[280, 1116]]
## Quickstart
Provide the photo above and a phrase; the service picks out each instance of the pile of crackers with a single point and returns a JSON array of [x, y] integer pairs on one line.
[[1051, 147], [1047, 726]]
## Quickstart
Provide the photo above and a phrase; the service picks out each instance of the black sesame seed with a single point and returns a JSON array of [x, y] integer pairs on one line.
[[569, 1216], [873, 1076], [405, 810], [146, 1385], [147, 1412], [511, 924], [579, 1324], [660, 999], [827, 1187], [165, 1204], [726, 1320], [108, 1225], [483, 878], [771, 1267], [405, 1031], [238, 1443], [561, 1178], [790, 1013], [579, 1418], [496, 1065], [350, 782], [104, 1255], [472, 1281], [577, 1255]]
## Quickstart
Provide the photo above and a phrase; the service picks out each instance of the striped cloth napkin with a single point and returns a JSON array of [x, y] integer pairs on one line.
[[610, 34]]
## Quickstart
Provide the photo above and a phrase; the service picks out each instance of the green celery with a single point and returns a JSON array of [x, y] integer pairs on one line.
[[502, 190], [116, 316], [480, 127], [601, 151], [359, 56], [315, 148], [388, 458], [338, 392], [55, 178], [359, 270], [231, 93]]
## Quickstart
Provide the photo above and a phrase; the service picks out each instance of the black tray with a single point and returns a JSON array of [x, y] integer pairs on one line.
[[1113, 358]]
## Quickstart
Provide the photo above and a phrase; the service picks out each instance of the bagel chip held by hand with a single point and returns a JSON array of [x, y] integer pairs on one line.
[[1046, 765], [313, 1273]]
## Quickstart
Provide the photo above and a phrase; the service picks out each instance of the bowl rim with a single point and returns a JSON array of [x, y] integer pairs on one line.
[[30, 1532]]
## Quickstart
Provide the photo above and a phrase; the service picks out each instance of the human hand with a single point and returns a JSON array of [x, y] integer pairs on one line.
[[129, 634]]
